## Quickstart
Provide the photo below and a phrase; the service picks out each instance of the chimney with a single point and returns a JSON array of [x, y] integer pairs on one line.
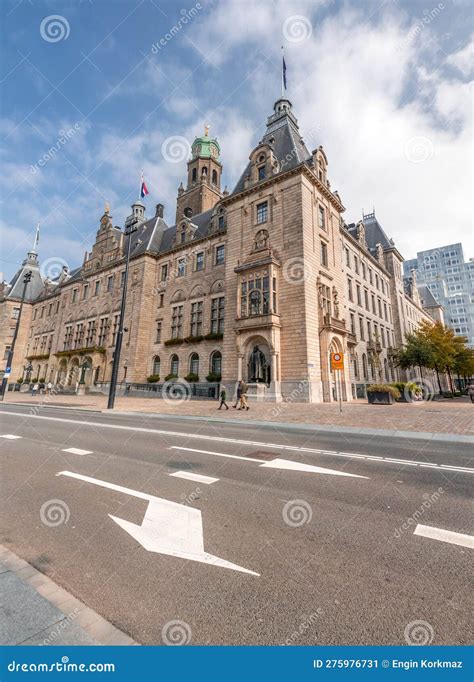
[[159, 210]]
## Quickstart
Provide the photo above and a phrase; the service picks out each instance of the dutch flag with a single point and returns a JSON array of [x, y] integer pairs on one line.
[[143, 188]]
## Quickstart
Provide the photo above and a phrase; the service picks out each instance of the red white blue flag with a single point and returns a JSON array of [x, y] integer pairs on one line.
[[143, 188]]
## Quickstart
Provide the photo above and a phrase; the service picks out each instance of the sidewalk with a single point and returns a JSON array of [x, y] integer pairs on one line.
[[37, 612], [448, 417]]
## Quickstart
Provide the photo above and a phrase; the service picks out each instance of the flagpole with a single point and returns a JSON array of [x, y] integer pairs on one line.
[[140, 187]]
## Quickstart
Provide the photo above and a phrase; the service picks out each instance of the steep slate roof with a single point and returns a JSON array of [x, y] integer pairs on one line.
[[283, 136], [426, 297], [36, 284], [155, 236]]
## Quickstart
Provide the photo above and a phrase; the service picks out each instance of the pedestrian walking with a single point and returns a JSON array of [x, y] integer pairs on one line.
[[243, 397], [223, 396], [35, 389], [470, 392], [49, 388], [238, 394]]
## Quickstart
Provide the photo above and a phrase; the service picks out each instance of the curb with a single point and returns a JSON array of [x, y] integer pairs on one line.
[[103, 632], [324, 428], [329, 428]]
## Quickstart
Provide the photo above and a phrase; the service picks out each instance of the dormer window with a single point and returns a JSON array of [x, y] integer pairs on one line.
[[261, 173], [220, 222], [183, 236]]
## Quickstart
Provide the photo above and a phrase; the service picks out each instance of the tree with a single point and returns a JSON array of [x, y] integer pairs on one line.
[[463, 363], [416, 352]]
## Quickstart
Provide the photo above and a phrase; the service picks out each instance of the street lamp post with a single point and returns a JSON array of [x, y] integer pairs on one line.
[[3, 388], [118, 343]]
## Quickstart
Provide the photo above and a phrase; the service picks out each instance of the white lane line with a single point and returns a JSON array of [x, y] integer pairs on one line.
[[217, 454], [199, 478], [77, 451], [275, 463], [167, 527], [445, 536], [184, 434], [10, 436]]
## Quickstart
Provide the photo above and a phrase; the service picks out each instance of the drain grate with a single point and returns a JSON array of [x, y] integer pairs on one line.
[[261, 454]]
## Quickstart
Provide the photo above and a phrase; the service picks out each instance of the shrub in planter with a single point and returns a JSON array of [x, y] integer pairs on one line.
[[192, 377], [382, 394], [214, 336], [19, 380], [213, 377], [169, 377], [34, 381], [173, 342], [153, 378], [194, 339], [41, 380]]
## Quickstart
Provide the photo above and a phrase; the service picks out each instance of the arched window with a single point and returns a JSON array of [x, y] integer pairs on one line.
[[214, 177], [194, 175], [216, 363], [156, 364], [174, 365], [364, 366], [194, 364]]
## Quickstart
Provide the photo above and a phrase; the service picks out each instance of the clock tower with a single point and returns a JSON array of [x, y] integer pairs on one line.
[[203, 189]]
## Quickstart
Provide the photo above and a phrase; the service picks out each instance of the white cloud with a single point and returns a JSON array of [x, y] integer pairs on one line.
[[463, 60]]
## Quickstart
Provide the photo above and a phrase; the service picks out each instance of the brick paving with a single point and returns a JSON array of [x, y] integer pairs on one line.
[[445, 416]]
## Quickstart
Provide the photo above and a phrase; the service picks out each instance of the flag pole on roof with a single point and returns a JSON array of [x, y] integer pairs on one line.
[[37, 237], [283, 72]]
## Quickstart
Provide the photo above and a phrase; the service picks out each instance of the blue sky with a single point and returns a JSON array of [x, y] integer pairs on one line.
[[120, 85]]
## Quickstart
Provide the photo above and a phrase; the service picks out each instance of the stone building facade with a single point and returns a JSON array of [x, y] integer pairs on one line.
[[260, 284]]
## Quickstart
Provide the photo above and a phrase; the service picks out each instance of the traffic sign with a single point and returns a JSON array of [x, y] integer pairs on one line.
[[337, 361]]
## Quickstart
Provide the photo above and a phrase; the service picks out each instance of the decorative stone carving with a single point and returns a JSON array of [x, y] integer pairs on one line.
[[335, 302]]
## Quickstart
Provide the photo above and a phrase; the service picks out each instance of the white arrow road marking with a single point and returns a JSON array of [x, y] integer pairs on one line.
[[194, 477], [275, 463], [77, 451], [167, 527], [298, 466], [445, 536], [10, 436]]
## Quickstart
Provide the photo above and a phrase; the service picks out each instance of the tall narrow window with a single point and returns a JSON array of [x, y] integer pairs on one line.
[[220, 254], [194, 364], [181, 267], [261, 173], [349, 289], [196, 318], [324, 253], [156, 365], [200, 261], [321, 218], [217, 315], [158, 331], [174, 365], [177, 322], [164, 272], [262, 212]]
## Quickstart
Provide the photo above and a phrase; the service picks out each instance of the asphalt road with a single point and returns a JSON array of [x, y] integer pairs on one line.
[[279, 548]]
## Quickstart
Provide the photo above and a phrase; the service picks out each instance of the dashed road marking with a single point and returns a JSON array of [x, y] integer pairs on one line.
[[10, 436], [199, 478], [445, 536], [77, 451]]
